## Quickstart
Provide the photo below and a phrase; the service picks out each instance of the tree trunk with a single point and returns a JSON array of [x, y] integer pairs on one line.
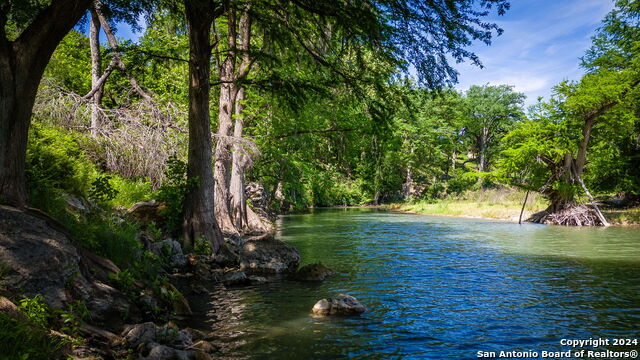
[[239, 163], [199, 219], [96, 64], [483, 150], [22, 63], [226, 103]]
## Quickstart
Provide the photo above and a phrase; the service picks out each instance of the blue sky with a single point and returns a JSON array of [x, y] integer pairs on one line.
[[541, 45]]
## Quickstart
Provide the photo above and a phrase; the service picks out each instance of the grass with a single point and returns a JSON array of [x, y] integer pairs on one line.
[[623, 216], [500, 204]]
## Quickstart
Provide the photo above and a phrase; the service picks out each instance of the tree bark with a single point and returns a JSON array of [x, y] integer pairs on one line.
[[240, 161], [22, 63], [96, 65], [483, 150], [199, 219], [226, 103]]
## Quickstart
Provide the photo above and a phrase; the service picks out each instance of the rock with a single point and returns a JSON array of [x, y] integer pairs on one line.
[[140, 334], [174, 297], [146, 212], [227, 255], [264, 255], [106, 304], [37, 259], [97, 266], [148, 303], [76, 205], [341, 305], [203, 346], [104, 336], [257, 279], [10, 309], [313, 272], [196, 334], [235, 278], [201, 355], [150, 333], [163, 352], [172, 249]]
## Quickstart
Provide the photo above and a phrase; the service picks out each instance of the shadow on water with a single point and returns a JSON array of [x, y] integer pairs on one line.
[[435, 287]]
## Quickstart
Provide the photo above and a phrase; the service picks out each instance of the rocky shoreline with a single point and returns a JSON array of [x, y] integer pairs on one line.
[[38, 258]]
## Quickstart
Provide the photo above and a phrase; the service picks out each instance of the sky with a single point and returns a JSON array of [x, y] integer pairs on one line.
[[542, 43]]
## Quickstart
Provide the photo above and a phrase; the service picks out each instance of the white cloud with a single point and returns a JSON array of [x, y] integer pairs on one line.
[[541, 45]]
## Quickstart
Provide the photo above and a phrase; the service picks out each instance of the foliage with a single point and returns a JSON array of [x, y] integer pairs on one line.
[[102, 190], [202, 247], [173, 192], [55, 160], [26, 340], [35, 309]]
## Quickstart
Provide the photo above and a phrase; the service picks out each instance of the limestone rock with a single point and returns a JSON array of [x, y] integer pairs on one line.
[[235, 278], [341, 305], [146, 212], [264, 255], [150, 333], [10, 309], [257, 279], [172, 249], [37, 259], [163, 352], [313, 272]]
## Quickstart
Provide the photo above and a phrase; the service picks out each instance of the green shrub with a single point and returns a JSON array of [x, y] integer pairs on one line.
[[173, 192], [25, 340], [102, 190], [202, 247], [130, 191], [55, 160], [35, 309]]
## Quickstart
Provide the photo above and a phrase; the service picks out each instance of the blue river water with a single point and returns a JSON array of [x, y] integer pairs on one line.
[[436, 288]]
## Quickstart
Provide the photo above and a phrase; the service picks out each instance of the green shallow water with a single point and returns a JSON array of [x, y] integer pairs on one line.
[[436, 287]]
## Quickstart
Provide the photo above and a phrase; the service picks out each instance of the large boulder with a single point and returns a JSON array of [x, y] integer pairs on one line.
[[266, 255], [341, 305], [37, 257]]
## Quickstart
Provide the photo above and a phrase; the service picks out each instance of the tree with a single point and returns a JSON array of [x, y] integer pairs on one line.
[[199, 219], [24, 54], [491, 112]]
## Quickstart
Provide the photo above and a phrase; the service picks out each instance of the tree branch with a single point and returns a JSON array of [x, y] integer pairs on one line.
[[111, 39]]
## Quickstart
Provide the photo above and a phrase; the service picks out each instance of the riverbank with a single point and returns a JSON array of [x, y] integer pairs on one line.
[[503, 204]]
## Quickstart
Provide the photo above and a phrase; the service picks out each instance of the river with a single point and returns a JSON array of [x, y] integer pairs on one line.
[[437, 287]]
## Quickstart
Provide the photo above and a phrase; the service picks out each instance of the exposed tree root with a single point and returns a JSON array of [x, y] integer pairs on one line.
[[570, 215]]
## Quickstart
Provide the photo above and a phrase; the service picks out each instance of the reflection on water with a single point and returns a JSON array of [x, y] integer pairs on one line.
[[435, 287]]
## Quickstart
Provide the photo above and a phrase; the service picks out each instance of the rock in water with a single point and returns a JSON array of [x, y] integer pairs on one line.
[[266, 255], [235, 278], [313, 272], [341, 305]]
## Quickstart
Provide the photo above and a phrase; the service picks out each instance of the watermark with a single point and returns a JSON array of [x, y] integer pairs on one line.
[[579, 349]]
